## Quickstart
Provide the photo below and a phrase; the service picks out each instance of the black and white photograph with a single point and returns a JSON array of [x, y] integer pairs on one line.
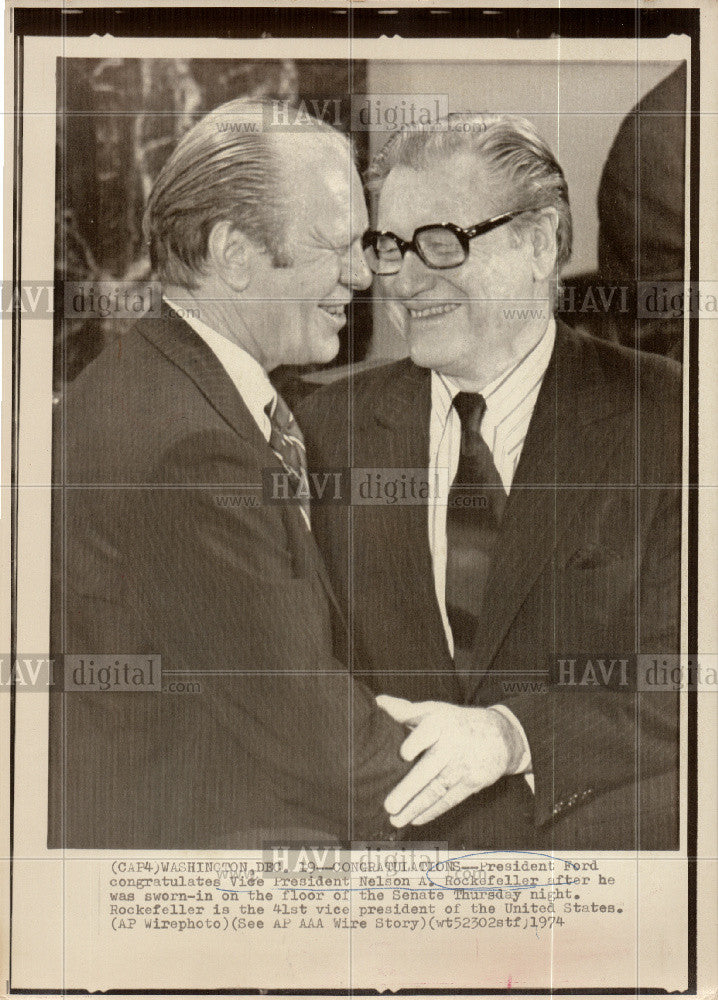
[[359, 604]]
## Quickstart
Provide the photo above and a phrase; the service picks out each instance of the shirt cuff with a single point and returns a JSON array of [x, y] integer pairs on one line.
[[525, 764]]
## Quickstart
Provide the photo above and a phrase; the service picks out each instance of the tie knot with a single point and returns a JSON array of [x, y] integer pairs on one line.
[[471, 407]]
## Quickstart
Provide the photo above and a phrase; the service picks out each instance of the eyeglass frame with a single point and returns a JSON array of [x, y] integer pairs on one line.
[[464, 237]]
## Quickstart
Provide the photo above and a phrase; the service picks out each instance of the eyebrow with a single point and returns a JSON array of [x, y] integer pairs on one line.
[[337, 240], [342, 244]]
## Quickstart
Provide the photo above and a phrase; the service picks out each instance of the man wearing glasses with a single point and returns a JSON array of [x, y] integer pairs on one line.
[[502, 625]]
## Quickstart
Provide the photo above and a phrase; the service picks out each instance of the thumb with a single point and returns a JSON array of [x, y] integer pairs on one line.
[[407, 712]]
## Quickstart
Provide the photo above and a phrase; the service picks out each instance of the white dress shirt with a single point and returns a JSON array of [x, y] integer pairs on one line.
[[510, 401]]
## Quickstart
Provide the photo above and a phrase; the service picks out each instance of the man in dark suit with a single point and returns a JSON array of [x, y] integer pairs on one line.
[[641, 213], [165, 549], [503, 624]]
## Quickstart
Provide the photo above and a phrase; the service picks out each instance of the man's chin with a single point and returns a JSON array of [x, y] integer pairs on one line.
[[425, 355], [437, 348], [324, 349]]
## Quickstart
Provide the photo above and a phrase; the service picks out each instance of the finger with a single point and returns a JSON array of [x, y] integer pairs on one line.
[[452, 798], [428, 768], [435, 792], [421, 738], [398, 708], [407, 712]]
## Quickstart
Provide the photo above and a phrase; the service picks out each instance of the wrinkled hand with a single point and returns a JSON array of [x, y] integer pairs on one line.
[[467, 749]]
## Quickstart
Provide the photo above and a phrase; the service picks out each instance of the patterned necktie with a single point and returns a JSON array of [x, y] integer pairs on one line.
[[475, 506], [287, 443]]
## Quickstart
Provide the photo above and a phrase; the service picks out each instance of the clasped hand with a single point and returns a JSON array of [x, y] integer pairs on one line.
[[465, 749]]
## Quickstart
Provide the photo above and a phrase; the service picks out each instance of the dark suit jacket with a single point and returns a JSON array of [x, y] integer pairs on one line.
[[641, 224], [587, 567], [163, 545]]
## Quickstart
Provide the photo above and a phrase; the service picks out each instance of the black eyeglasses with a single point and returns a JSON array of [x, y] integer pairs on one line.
[[439, 246]]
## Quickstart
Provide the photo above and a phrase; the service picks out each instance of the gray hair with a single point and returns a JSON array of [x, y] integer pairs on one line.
[[228, 167], [520, 163]]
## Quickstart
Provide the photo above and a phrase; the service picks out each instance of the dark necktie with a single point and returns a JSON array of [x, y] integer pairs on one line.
[[475, 506], [287, 443]]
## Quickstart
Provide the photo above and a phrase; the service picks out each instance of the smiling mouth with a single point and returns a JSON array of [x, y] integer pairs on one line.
[[335, 311], [422, 312]]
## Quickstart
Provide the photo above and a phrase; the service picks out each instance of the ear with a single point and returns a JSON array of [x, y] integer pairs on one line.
[[231, 254], [544, 244]]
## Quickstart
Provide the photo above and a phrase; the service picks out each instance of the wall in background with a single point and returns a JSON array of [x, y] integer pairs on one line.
[[577, 108]]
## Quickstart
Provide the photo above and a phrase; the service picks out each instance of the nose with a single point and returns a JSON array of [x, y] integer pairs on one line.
[[355, 271], [412, 278]]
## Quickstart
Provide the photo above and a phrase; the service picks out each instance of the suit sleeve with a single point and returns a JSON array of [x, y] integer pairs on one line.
[[586, 742]]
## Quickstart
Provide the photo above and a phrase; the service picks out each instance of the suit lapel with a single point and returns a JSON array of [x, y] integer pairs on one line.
[[179, 343], [183, 347], [575, 431], [398, 438]]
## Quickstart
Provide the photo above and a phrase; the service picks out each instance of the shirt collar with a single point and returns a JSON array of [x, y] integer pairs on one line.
[[249, 378]]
